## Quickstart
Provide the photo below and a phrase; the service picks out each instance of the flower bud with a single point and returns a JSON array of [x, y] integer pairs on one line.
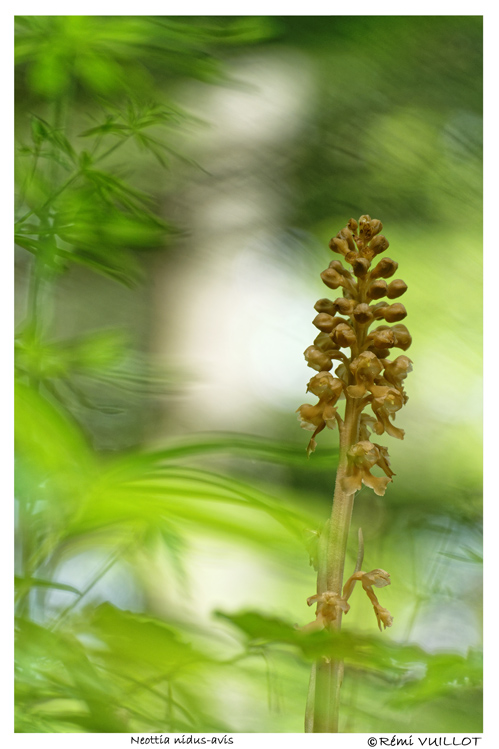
[[345, 233], [324, 343], [396, 288], [325, 305], [397, 370], [344, 306], [339, 245], [384, 269], [316, 359], [377, 289], [351, 257], [394, 312], [326, 323], [363, 313], [343, 335], [360, 266], [377, 310], [353, 225], [376, 226], [379, 244], [337, 266], [403, 337], [381, 353], [331, 278], [383, 337], [324, 385]]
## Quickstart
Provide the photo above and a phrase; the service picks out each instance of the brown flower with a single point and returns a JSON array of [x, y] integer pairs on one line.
[[317, 359], [397, 370], [324, 385], [361, 458], [377, 578], [365, 368], [385, 337], [383, 616], [323, 414], [343, 335], [386, 402], [328, 605]]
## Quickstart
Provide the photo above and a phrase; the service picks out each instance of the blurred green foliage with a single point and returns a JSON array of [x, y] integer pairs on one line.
[[396, 131]]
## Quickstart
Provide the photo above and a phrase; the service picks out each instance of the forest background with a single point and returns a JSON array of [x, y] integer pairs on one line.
[[178, 180]]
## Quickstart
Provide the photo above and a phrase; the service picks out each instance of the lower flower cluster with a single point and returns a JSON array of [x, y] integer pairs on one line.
[[329, 604]]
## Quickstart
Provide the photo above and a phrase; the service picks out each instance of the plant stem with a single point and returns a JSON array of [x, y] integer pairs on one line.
[[329, 672]]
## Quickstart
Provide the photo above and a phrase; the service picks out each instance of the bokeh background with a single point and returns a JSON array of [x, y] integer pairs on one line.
[[178, 181]]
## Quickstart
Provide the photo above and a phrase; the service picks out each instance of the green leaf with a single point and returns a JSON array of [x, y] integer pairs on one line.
[[420, 676], [140, 641], [56, 665], [52, 448], [233, 443]]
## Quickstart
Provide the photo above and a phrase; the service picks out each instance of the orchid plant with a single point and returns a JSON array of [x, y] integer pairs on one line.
[[366, 378]]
